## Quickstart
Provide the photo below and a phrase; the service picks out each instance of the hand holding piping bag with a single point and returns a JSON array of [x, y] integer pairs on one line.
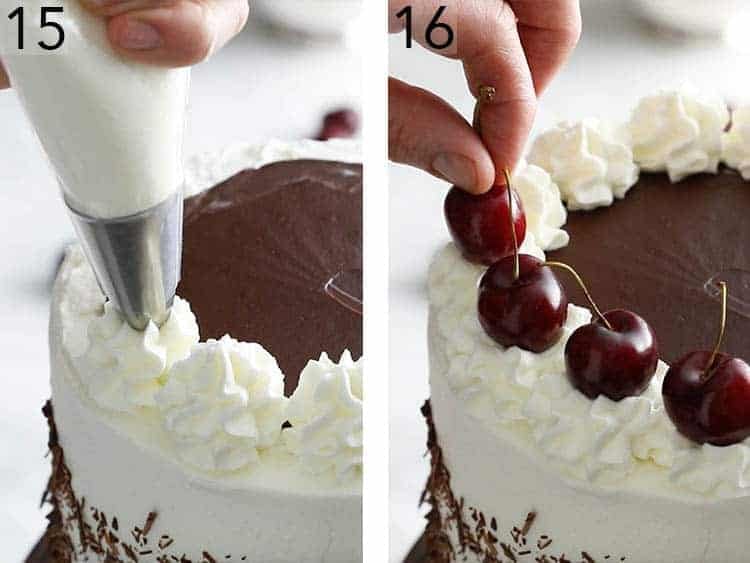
[[167, 32]]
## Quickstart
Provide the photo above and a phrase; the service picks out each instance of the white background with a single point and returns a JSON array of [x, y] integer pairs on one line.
[[263, 85], [618, 60]]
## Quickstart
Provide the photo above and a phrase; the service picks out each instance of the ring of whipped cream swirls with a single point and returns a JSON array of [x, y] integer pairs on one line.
[[220, 402], [588, 165], [592, 162]]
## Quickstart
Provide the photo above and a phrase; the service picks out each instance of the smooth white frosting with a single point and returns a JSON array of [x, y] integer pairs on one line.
[[223, 403], [325, 412], [504, 475], [600, 442], [545, 213], [735, 143], [587, 161], [678, 132], [122, 368]]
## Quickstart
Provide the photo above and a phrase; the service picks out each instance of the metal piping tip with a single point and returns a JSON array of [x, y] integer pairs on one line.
[[136, 258]]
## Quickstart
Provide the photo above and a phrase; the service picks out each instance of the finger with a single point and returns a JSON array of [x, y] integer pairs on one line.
[[491, 51], [171, 32], [4, 82], [395, 23], [109, 8], [549, 31], [488, 44], [424, 131]]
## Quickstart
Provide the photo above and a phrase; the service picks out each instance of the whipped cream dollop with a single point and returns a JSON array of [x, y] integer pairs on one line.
[[587, 161], [528, 394], [208, 169], [545, 213], [678, 131], [122, 368], [325, 412], [735, 143], [223, 403]]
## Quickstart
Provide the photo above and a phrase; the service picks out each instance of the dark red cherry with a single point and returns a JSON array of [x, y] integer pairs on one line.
[[342, 123], [527, 312], [480, 224], [709, 405], [616, 361]]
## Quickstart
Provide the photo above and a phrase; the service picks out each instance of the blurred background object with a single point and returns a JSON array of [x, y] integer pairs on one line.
[[621, 57], [263, 85], [316, 18], [693, 16]]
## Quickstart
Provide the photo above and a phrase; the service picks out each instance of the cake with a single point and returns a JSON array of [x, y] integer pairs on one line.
[[525, 467], [233, 432]]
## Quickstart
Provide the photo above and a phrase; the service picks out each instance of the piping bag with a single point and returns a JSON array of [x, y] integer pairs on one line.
[[113, 131]]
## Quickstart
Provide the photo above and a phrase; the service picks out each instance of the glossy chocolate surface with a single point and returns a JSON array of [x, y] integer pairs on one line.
[[259, 250], [660, 252]]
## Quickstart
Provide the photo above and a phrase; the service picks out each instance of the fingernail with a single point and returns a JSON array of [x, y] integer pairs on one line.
[[457, 169], [139, 36]]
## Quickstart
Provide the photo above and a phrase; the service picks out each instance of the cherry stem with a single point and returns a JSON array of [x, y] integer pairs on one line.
[[578, 278], [516, 260], [486, 94], [722, 328]]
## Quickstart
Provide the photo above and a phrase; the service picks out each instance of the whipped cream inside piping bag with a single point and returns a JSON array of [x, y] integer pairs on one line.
[[112, 129]]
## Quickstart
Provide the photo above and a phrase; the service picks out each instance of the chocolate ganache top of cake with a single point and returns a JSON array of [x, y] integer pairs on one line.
[[662, 251], [260, 250]]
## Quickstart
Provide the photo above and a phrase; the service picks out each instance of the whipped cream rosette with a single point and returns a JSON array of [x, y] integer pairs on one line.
[[735, 143], [678, 132], [325, 413], [223, 403], [587, 161]]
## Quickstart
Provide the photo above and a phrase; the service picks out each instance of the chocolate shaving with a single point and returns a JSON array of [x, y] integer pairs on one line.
[[544, 542], [100, 538], [149, 522], [530, 517], [446, 520]]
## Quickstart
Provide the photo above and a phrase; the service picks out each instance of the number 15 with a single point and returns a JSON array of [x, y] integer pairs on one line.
[[19, 14]]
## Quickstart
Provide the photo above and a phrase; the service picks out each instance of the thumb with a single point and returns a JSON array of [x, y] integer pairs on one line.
[[424, 131], [170, 32]]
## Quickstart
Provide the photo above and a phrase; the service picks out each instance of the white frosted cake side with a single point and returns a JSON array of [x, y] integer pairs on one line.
[[175, 449]]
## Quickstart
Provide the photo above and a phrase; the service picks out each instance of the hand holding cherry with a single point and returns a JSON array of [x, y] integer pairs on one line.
[[478, 223]]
